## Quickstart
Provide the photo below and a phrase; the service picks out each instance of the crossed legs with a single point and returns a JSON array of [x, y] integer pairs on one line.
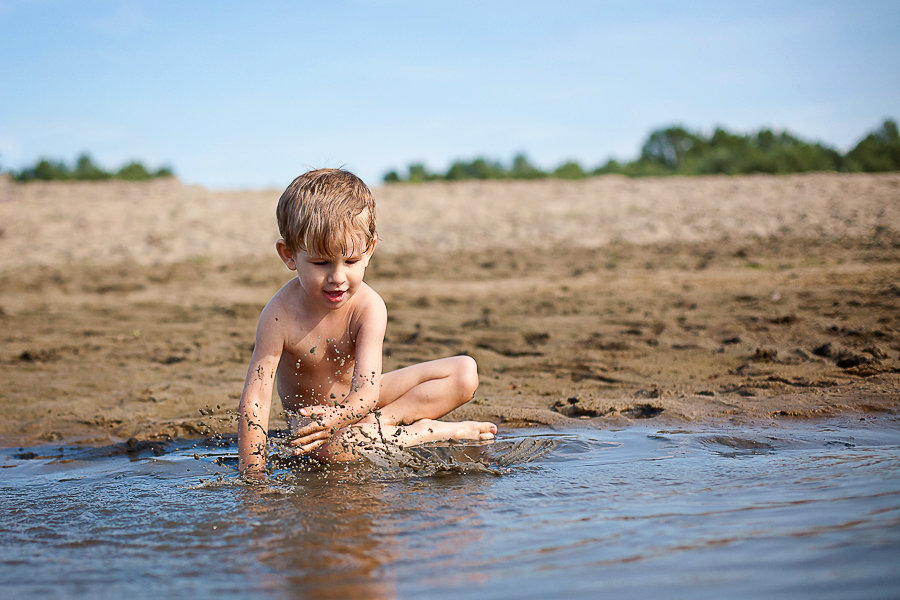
[[411, 400]]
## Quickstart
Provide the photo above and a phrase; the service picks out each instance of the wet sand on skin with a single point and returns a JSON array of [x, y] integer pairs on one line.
[[128, 310]]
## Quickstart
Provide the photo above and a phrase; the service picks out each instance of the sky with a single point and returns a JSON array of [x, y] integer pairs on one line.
[[250, 94]]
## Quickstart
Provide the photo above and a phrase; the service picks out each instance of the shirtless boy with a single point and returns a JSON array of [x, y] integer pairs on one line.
[[320, 340]]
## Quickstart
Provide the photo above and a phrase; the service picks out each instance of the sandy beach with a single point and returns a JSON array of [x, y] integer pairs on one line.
[[129, 310]]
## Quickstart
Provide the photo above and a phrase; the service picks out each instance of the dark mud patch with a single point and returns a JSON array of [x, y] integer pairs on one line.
[[576, 407], [641, 411]]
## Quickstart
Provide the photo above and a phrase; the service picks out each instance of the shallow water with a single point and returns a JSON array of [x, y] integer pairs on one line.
[[812, 510]]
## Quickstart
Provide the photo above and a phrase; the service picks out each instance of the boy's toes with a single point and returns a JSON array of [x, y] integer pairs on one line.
[[486, 431], [485, 427], [475, 430]]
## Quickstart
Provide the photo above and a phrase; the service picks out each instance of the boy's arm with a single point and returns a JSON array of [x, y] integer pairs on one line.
[[365, 387], [256, 399]]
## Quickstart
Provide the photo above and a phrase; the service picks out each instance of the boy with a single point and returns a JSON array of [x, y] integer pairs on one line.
[[320, 340]]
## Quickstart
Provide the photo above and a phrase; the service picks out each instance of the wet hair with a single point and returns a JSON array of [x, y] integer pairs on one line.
[[327, 213]]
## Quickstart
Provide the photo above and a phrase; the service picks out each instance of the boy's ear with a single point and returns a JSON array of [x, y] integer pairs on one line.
[[286, 254], [371, 250]]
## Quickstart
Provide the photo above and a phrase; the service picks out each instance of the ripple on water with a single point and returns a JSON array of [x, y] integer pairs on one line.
[[811, 509]]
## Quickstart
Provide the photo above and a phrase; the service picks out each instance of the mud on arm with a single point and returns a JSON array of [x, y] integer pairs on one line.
[[256, 398]]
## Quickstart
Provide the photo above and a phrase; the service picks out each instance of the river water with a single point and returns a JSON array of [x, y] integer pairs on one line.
[[803, 510]]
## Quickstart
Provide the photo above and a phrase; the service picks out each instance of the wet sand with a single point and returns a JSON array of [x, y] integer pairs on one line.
[[128, 310]]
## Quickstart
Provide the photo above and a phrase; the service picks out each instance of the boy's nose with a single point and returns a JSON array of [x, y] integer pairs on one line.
[[338, 275]]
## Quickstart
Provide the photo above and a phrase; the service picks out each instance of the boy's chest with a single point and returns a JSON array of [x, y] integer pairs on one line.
[[324, 351]]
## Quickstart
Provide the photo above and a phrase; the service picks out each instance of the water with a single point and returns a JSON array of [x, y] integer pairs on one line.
[[809, 511]]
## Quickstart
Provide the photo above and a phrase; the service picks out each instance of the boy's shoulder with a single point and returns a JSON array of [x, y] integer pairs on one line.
[[368, 301], [285, 299], [287, 304]]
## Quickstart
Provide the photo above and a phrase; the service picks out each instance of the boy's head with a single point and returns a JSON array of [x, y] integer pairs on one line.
[[327, 213]]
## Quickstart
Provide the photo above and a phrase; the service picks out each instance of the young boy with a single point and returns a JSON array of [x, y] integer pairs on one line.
[[320, 340]]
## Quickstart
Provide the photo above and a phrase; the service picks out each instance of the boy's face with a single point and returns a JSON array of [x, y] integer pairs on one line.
[[329, 282]]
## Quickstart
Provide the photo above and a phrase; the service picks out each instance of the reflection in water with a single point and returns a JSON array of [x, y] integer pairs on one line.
[[814, 510], [334, 536], [322, 541]]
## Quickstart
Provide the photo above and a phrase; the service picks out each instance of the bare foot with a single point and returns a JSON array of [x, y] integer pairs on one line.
[[360, 439], [428, 430], [472, 430]]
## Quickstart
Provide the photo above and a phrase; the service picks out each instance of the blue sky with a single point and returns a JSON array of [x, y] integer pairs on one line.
[[250, 94]]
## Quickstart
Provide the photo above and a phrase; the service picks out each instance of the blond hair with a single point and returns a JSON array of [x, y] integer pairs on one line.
[[328, 213]]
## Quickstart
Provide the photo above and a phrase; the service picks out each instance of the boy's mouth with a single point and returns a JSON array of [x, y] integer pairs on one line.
[[335, 296]]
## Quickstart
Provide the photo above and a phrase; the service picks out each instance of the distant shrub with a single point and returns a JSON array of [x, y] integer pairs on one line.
[[85, 170], [569, 170], [674, 150], [480, 168], [878, 151], [133, 171], [45, 170], [523, 169], [418, 173]]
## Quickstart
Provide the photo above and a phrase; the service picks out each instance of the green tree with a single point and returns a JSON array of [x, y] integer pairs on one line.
[[569, 170], [45, 170], [612, 166], [668, 147], [878, 151], [418, 173], [86, 170], [523, 169], [479, 168], [482, 168], [458, 171], [133, 171]]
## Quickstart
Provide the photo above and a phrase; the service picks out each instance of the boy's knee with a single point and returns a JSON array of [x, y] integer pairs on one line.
[[467, 375]]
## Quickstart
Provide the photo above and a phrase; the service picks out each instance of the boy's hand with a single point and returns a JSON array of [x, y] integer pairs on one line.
[[321, 423]]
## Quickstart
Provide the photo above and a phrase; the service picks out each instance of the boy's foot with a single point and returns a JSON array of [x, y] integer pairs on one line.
[[364, 437], [428, 430], [472, 430]]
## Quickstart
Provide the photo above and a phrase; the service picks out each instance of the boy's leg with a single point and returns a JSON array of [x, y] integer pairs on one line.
[[427, 390], [428, 430], [412, 399], [357, 440]]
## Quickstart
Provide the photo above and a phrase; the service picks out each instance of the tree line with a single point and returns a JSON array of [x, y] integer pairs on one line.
[[84, 169], [678, 151]]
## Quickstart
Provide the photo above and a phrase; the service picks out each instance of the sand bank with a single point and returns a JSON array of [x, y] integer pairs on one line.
[[128, 310]]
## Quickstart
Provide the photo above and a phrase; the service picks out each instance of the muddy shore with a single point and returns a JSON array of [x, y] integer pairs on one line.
[[128, 310]]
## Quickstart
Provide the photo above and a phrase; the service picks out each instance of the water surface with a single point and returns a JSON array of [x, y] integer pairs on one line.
[[810, 510]]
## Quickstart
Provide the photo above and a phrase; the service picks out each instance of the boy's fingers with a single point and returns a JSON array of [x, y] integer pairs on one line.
[[308, 447], [307, 430], [306, 438]]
